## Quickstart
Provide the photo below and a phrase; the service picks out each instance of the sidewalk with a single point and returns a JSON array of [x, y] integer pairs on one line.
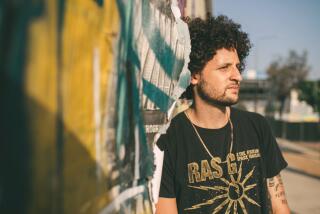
[[302, 176]]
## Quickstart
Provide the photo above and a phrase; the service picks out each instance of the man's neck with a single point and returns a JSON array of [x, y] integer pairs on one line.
[[207, 115]]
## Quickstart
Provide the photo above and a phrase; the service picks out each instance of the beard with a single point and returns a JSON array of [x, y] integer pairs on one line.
[[210, 95]]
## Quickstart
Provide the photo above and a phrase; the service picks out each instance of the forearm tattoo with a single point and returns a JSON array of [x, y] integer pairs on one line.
[[271, 182], [277, 188]]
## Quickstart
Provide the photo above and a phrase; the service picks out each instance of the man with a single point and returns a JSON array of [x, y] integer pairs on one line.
[[218, 159]]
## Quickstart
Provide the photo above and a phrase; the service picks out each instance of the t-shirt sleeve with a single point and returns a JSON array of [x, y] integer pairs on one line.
[[168, 170], [273, 158]]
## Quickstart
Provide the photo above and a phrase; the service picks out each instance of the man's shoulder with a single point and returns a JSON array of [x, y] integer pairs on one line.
[[245, 115], [178, 120], [169, 138], [176, 123]]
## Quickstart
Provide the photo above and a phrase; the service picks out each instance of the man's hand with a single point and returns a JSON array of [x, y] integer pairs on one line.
[[277, 195], [166, 206]]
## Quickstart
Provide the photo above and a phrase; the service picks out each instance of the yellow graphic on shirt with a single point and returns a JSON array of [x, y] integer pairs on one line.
[[234, 193]]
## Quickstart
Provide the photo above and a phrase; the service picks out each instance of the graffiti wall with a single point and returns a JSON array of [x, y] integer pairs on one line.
[[85, 85]]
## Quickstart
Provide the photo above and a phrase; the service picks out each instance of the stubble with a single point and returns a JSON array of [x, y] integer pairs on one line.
[[212, 96]]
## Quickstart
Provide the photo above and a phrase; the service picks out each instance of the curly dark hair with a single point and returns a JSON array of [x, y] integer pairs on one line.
[[208, 36], [213, 33]]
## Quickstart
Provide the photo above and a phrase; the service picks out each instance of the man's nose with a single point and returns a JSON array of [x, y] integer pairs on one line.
[[236, 74]]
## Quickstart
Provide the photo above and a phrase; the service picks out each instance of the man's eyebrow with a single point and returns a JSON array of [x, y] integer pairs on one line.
[[224, 65]]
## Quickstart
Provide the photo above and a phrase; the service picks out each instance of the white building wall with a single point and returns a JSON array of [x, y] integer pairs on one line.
[[299, 110], [198, 8]]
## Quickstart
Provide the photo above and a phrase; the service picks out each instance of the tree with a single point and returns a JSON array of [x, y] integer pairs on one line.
[[309, 91], [286, 74]]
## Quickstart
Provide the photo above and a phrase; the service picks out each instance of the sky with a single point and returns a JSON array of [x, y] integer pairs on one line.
[[275, 27]]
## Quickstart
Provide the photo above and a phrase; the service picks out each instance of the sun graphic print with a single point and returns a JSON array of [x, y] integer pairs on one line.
[[233, 193]]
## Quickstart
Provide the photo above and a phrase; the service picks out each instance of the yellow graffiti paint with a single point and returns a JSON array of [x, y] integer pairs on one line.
[[87, 29], [41, 92]]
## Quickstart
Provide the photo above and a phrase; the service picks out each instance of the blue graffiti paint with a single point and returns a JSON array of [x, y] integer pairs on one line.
[[163, 52], [158, 97], [99, 2], [134, 58], [146, 159]]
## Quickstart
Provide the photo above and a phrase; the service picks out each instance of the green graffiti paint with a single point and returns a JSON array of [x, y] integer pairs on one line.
[[158, 97], [163, 52]]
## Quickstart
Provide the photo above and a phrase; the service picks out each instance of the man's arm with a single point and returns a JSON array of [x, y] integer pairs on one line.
[[166, 205], [277, 195]]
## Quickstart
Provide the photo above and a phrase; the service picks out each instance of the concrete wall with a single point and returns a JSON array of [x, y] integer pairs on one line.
[[74, 81]]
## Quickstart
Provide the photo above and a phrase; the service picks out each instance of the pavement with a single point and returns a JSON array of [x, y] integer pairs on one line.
[[302, 176]]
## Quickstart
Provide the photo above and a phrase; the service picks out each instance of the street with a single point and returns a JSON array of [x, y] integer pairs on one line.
[[302, 176]]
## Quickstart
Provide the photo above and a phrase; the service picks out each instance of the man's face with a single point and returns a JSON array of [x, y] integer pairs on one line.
[[219, 81]]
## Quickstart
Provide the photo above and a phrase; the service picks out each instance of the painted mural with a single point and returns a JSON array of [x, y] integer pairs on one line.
[[85, 86]]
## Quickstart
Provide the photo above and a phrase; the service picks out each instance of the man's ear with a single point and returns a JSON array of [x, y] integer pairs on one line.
[[195, 78]]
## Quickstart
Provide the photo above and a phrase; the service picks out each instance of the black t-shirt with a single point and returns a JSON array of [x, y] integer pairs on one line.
[[230, 182]]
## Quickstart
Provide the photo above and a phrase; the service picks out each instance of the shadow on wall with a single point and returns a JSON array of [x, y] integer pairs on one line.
[[14, 150], [45, 167], [14, 146], [38, 175]]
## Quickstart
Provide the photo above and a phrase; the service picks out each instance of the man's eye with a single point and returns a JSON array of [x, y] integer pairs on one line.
[[224, 67]]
